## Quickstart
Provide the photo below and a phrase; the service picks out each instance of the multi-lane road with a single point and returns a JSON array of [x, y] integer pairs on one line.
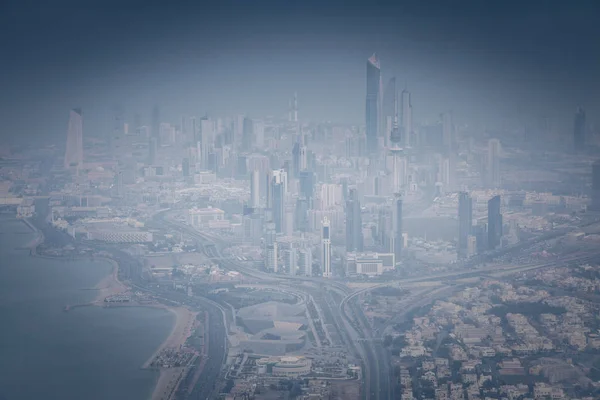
[[377, 374]]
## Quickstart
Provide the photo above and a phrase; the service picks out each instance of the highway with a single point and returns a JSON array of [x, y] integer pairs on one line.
[[376, 365]]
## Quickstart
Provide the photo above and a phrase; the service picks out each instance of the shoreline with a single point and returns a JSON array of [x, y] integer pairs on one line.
[[168, 379]]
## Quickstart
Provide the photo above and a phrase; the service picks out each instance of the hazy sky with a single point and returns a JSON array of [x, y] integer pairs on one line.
[[485, 60]]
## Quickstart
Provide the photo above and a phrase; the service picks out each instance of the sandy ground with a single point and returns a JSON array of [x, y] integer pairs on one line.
[[169, 378], [167, 383], [110, 285]]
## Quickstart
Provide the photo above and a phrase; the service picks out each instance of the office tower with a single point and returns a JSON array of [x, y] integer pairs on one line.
[[406, 118], [465, 221], [290, 260], [471, 246], [247, 134], [255, 189], [389, 107], [398, 242], [326, 249], [185, 167], [399, 162], [354, 235], [152, 150], [448, 132], [206, 143], [278, 204], [74, 148], [494, 223], [259, 134], [579, 130], [595, 206], [493, 163], [301, 214], [372, 104], [155, 130], [270, 252], [331, 195], [253, 229], [303, 158], [293, 113], [305, 261], [296, 160], [193, 135], [307, 186]]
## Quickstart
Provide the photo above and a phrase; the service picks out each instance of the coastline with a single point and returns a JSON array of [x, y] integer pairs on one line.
[[169, 378]]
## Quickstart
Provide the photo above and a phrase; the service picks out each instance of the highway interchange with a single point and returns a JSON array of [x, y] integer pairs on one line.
[[349, 318]]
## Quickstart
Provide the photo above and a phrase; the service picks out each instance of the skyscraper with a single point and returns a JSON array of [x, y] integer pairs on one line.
[[255, 189], [307, 186], [448, 131], [494, 223], [326, 249], [398, 241], [372, 104], [270, 250], [247, 134], [74, 148], [595, 206], [293, 112], [399, 162], [579, 130], [493, 163], [389, 106], [295, 160], [155, 131], [406, 118], [354, 235], [465, 221]]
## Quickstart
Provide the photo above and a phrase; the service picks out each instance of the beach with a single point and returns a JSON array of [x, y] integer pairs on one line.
[[110, 285]]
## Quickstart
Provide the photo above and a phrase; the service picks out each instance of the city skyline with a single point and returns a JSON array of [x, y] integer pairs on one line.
[[479, 86]]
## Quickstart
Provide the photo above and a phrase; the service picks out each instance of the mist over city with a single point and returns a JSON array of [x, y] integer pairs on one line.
[[299, 200]]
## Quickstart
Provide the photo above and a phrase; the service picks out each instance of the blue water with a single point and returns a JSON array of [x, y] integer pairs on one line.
[[88, 353]]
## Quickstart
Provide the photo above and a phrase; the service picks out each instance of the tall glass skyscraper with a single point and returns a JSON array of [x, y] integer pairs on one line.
[[372, 114], [494, 222], [354, 236], [465, 221], [74, 150]]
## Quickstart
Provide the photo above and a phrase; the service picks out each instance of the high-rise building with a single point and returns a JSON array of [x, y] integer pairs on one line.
[[305, 261], [595, 206], [389, 107], [277, 194], [398, 242], [247, 134], [372, 104], [207, 127], [407, 127], [448, 132], [255, 189], [290, 259], [399, 161], [494, 223], [579, 130], [354, 235], [293, 113], [152, 150], [74, 148], [307, 186], [271, 248], [465, 222], [155, 130], [493, 163], [326, 249]]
